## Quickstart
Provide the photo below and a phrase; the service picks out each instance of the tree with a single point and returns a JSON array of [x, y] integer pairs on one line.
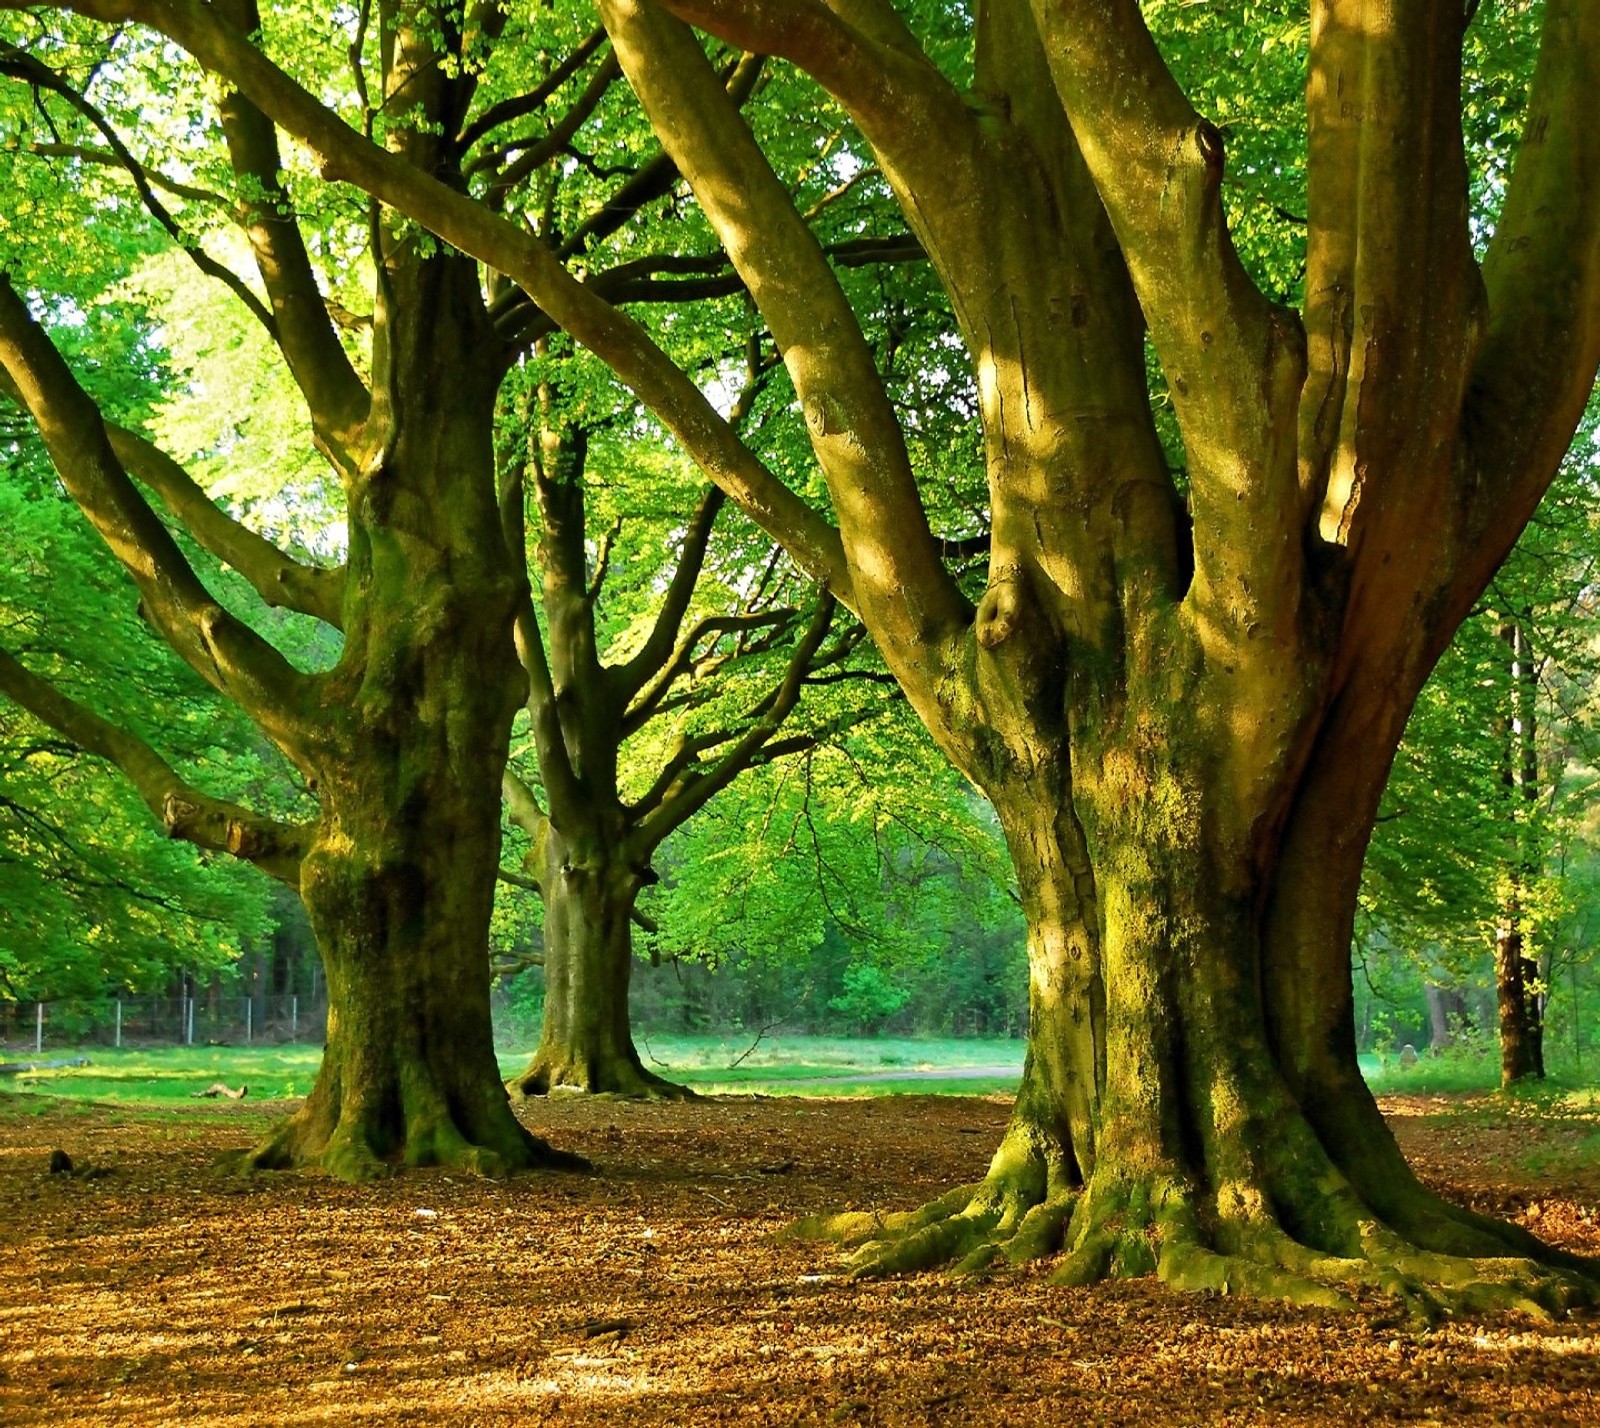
[[404, 738], [1475, 844], [592, 839], [1183, 711]]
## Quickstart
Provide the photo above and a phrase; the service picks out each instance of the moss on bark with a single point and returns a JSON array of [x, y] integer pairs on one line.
[[585, 1042], [1188, 1155]]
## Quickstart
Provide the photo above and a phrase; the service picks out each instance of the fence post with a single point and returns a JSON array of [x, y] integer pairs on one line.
[[119, 1024], [294, 1018], [38, 1027], [188, 1026], [249, 1015]]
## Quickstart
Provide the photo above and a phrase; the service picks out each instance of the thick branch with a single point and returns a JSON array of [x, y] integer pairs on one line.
[[554, 762], [853, 428], [222, 650], [334, 392], [1394, 301], [524, 807], [186, 813], [1234, 364], [1537, 367], [618, 341], [278, 578]]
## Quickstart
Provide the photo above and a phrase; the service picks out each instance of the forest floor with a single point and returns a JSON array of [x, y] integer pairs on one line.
[[148, 1287]]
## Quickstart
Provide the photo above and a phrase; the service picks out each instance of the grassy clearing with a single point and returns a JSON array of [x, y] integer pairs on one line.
[[778, 1066], [836, 1066], [170, 1074]]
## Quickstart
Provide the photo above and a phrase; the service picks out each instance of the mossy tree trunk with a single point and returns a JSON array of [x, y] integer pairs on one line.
[[416, 716], [586, 1040], [1185, 719], [399, 878]]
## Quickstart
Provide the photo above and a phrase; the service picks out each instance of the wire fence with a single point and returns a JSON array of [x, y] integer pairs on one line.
[[213, 1017], [209, 1018]]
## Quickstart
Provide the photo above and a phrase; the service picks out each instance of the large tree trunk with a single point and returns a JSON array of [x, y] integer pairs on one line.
[[586, 1043], [1183, 1111], [399, 881], [401, 912]]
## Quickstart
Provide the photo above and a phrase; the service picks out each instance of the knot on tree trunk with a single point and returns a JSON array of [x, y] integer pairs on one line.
[[1004, 608]]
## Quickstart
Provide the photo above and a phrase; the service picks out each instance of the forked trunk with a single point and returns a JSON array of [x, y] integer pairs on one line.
[[1191, 1103]]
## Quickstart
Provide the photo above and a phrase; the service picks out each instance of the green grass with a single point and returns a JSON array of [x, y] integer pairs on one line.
[[814, 1066], [778, 1066], [169, 1073], [1451, 1072], [828, 1066]]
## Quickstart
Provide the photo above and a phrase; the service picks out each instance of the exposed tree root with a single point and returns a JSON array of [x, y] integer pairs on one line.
[[1229, 1243], [359, 1148], [608, 1076]]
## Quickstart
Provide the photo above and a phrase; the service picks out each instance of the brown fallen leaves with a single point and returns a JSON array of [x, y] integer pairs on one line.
[[653, 1292]]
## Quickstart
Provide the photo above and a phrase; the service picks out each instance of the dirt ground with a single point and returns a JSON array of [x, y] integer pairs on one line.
[[162, 1291]]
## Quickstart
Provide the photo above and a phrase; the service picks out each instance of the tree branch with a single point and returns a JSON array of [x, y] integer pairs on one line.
[[222, 650], [658, 647], [1538, 363], [84, 154], [508, 111], [278, 578], [555, 763], [537, 152], [334, 392], [1234, 363], [670, 803], [465, 224], [21, 65], [185, 812], [652, 699], [852, 426]]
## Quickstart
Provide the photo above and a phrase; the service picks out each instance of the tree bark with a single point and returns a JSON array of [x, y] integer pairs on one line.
[[1516, 964], [1516, 974], [1178, 1114], [399, 879], [586, 1043]]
